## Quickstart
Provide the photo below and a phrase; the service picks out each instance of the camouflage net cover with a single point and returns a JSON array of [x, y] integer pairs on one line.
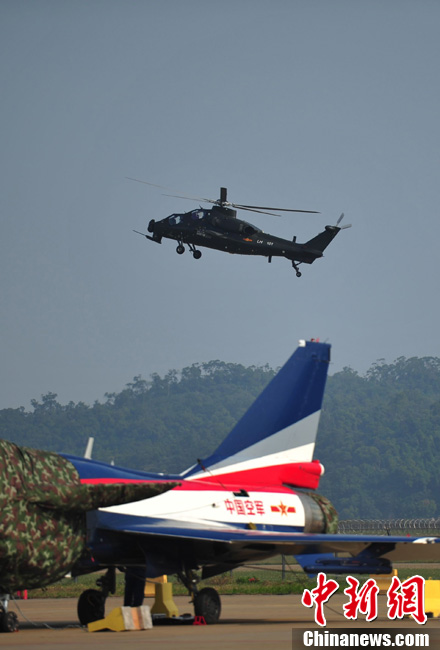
[[42, 514]]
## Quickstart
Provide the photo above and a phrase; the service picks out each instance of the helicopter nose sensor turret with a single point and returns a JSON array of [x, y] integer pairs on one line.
[[157, 237]]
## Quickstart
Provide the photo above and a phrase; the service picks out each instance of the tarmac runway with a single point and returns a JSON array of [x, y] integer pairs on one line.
[[255, 622]]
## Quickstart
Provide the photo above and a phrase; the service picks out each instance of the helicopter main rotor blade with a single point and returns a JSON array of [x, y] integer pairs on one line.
[[262, 207], [222, 201], [163, 187], [224, 204], [192, 198], [242, 207], [146, 183]]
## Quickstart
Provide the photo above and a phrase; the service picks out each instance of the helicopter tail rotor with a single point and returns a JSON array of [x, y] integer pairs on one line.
[[348, 225]]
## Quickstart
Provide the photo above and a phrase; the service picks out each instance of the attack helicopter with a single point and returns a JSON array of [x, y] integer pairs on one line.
[[218, 227]]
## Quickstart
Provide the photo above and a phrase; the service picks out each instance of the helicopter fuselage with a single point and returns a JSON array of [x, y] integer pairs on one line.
[[219, 228]]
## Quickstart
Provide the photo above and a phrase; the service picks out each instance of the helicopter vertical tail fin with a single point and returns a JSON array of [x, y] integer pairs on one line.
[[321, 241], [274, 441]]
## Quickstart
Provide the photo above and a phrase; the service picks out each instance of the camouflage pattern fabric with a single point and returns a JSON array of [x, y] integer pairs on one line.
[[42, 514], [329, 511]]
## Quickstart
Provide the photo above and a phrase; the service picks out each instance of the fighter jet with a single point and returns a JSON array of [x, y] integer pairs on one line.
[[254, 497]]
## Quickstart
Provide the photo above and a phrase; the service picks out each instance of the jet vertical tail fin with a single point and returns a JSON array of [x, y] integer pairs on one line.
[[273, 443]]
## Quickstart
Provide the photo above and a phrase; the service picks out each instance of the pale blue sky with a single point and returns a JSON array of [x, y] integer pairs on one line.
[[330, 106]]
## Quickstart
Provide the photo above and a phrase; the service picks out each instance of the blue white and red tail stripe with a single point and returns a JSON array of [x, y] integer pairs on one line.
[[274, 441]]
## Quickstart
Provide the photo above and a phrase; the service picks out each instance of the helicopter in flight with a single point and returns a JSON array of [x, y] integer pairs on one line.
[[218, 227]]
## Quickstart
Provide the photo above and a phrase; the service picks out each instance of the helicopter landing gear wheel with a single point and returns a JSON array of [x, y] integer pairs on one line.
[[298, 272], [91, 606], [207, 604], [180, 249], [196, 254]]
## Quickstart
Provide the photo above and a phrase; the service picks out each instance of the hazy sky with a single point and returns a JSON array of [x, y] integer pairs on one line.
[[315, 104]]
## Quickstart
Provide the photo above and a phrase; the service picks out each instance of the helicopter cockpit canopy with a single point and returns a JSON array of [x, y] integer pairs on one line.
[[197, 214], [188, 217], [250, 229]]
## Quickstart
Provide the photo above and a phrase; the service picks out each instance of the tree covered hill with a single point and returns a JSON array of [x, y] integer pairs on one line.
[[163, 424], [379, 440], [379, 437]]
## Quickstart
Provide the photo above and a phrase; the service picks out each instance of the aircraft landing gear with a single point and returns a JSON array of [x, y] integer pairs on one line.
[[91, 606], [298, 272], [206, 601], [8, 620], [196, 254], [207, 604], [91, 603], [181, 249]]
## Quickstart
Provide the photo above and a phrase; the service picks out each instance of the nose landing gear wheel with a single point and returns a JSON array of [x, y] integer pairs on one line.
[[207, 604]]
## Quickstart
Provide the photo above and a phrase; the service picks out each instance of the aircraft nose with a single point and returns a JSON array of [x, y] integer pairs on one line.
[[151, 226]]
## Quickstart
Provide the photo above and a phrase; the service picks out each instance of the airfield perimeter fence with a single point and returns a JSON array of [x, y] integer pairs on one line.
[[282, 567], [404, 527]]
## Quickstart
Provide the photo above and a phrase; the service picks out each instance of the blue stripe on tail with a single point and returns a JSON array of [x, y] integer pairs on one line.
[[294, 393]]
